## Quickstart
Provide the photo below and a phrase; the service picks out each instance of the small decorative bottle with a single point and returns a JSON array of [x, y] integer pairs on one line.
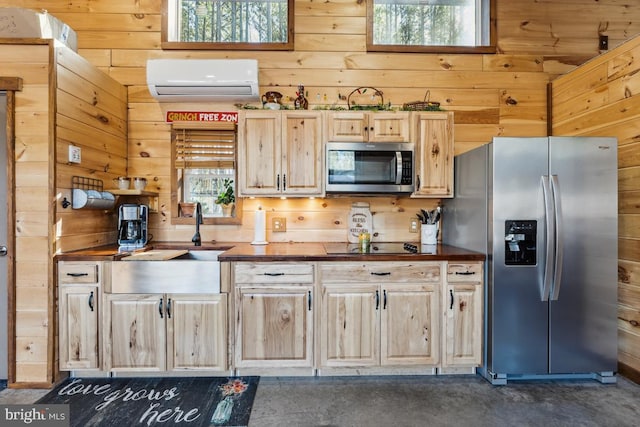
[[222, 413], [301, 102]]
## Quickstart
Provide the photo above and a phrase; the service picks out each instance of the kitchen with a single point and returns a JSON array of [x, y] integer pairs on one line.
[[489, 94]]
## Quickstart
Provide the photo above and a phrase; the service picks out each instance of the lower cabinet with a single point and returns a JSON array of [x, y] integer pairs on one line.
[[463, 303], [79, 290], [274, 318], [165, 332], [379, 314]]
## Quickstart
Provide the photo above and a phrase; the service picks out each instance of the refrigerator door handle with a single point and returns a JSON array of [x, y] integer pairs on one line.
[[550, 238], [557, 275]]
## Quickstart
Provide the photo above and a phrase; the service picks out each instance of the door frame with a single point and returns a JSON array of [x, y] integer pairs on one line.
[[10, 85]]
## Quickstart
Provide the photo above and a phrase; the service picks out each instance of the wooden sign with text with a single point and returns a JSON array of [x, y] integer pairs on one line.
[[202, 116]]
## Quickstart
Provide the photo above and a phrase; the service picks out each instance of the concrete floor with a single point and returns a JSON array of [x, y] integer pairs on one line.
[[429, 401]]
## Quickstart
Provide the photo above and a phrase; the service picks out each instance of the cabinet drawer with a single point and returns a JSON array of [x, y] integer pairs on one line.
[[375, 272], [464, 272], [77, 272], [273, 273]]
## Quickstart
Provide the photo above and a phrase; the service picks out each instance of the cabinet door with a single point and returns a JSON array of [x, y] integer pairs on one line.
[[350, 325], [302, 153], [389, 127], [274, 326], [434, 154], [259, 153], [463, 324], [135, 336], [78, 327], [409, 326], [196, 332], [349, 126]]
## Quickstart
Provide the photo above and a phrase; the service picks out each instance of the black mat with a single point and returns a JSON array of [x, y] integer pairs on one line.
[[149, 402]]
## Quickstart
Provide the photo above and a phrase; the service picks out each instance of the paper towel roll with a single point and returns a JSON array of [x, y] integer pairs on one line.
[[260, 232]]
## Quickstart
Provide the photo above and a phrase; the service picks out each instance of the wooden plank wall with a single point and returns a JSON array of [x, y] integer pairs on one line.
[[502, 94], [602, 98], [91, 114], [85, 107], [491, 95], [33, 175]]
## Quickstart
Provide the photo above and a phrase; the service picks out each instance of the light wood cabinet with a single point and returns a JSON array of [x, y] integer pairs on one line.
[[274, 316], [434, 148], [280, 153], [463, 301], [165, 332], [379, 314], [350, 331], [366, 126], [79, 290]]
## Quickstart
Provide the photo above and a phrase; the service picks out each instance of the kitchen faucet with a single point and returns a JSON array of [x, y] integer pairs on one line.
[[197, 241]]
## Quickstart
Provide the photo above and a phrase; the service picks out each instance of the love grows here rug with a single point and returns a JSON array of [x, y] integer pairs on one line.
[[197, 401]]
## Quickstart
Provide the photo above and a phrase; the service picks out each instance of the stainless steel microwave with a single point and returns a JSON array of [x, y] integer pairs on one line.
[[358, 167]]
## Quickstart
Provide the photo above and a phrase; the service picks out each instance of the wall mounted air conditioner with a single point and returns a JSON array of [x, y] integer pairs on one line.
[[194, 80]]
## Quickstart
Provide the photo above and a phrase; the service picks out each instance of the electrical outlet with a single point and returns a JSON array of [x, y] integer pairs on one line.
[[279, 224], [603, 42], [414, 225], [75, 154]]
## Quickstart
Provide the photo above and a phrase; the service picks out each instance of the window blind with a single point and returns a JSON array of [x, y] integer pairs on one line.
[[210, 146]]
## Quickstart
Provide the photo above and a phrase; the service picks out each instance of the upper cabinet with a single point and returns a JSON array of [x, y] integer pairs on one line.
[[433, 137], [367, 126], [280, 153]]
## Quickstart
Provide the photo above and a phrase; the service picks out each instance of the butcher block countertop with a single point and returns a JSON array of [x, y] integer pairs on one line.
[[323, 252], [234, 251]]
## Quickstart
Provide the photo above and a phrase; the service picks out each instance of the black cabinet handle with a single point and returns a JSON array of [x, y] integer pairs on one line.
[[465, 273], [160, 309], [169, 308], [278, 182], [384, 299], [417, 181], [309, 299], [91, 301], [451, 299], [77, 274], [284, 182], [387, 273], [377, 300], [273, 274]]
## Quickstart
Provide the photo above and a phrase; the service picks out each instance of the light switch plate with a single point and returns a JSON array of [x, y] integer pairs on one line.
[[414, 225], [279, 224], [75, 154]]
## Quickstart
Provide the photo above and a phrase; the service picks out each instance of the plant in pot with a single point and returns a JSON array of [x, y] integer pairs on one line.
[[226, 197]]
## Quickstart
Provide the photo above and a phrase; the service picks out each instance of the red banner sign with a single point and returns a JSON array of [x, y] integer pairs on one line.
[[202, 116]]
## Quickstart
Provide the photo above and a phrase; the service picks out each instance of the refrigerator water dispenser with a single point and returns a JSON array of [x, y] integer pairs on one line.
[[520, 242]]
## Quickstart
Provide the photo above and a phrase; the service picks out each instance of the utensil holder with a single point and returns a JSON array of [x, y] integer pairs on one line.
[[429, 234]]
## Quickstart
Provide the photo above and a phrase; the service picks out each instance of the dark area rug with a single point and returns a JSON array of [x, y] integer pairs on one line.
[[192, 401]]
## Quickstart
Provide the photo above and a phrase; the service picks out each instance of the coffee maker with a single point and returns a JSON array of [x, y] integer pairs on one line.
[[132, 225]]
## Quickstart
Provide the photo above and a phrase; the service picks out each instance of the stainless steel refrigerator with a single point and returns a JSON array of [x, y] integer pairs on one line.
[[544, 211]]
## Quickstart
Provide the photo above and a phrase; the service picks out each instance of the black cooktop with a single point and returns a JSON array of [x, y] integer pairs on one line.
[[379, 248]]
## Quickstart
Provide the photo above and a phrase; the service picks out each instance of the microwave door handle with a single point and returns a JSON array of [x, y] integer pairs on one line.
[[398, 167]]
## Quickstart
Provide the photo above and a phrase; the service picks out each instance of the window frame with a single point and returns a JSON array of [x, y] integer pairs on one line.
[[491, 48], [169, 45], [175, 188]]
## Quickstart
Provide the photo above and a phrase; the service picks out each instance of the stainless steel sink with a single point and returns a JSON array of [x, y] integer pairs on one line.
[[202, 255], [195, 272]]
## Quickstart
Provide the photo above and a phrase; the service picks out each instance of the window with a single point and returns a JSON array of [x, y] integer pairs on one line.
[[204, 157], [228, 24], [461, 26]]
